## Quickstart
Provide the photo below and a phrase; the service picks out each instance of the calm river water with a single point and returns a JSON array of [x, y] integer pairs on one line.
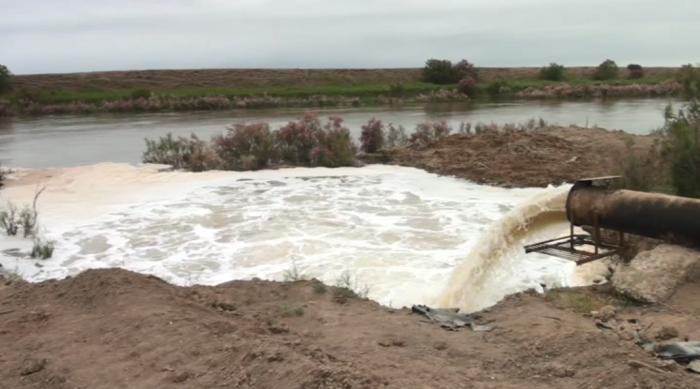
[[83, 140]]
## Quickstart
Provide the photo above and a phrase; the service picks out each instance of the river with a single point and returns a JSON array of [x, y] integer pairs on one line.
[[412, 236], [64, 141]]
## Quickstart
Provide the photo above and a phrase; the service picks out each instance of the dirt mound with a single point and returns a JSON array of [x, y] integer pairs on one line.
[[117, 329], [521, 158]]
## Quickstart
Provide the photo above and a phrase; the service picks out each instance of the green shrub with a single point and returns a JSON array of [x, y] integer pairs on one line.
[[348, 287], [342, 295], [294, 273], [396, 136], [320, 288], [498, 88], [643, 173], [397, 90], [166, 150], [181, 153], [441, 72], [27, 219], [42, 249], [607, 70], [141, 94], [11, 218], [689, 77], [429, 132], [288, 310], [635, 71], [8, 219], [5, 79], [553, 72], [681, 148], [579, 301]]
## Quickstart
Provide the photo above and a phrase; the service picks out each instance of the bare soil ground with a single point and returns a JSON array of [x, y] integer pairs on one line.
[[520, 158], [116, 329], [263, 78]]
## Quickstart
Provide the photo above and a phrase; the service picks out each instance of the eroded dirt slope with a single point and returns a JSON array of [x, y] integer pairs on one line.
[[116, 329]]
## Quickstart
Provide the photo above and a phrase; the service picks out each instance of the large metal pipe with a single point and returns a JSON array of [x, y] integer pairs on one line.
[[671, 218]]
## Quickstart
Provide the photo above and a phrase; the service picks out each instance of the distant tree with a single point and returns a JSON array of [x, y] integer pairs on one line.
[[440, 71], [607, 70], [635, 71], [465, 68], [689, 77], [5, 76], [553, 72]]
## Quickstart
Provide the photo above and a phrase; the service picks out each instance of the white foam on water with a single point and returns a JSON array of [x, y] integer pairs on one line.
[[401, 231]]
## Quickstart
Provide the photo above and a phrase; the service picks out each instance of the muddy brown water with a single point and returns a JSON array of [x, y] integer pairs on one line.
[[64, 141]]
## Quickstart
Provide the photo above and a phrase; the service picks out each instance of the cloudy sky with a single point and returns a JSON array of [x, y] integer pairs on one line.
[[51, 36]]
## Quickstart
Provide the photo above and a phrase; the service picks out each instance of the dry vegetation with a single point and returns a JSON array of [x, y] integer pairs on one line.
[[267, 78]]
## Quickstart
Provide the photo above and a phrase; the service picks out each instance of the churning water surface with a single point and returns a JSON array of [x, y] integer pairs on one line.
[[401, 231]]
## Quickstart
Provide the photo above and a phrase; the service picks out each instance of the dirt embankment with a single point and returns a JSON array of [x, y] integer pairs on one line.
[[262, 78], [116, 329], [522, 158]]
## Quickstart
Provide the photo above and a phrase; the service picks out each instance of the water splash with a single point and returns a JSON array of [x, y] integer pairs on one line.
[[476, 282]]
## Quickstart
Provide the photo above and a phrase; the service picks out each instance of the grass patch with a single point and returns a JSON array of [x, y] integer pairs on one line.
[[320, 288], [348, 287], [368, 93], [42, 249], [289, 310], [294, 273], [343, 295], [578, 300]]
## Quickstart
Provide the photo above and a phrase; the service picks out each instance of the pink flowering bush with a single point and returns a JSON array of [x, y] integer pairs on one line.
[[307, 142], [304, 142], [465, 69], [669, 88], [335, 147], [442, 95], [246, 147], [467, 86], [297, 138], [142, 102], [199, 156], [6, 109], [372, 137]]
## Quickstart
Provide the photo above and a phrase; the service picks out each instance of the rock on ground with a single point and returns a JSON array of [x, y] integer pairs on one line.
[[653, 276]]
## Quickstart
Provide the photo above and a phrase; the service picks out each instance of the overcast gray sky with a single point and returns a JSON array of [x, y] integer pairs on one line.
[[51, 36]]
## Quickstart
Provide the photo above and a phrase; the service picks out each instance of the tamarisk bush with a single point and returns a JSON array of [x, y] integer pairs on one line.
[[372, 138]]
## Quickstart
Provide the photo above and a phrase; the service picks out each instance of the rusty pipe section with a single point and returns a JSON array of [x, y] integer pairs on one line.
[[671, 218]]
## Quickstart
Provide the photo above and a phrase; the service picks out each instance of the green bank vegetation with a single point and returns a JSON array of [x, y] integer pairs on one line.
[[438, 77], [672, 164]]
